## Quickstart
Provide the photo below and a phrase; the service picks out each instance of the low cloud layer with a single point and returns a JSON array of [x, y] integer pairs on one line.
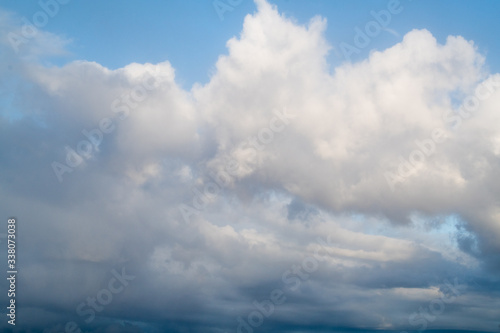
[[363, 193]]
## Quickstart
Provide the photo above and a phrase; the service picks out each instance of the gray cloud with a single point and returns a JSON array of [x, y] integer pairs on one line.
[[323, 175]]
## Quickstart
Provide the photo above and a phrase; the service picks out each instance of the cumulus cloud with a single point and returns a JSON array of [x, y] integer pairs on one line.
[[308, 157]]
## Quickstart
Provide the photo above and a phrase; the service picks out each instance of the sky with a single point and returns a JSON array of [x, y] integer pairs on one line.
[[251, 166]]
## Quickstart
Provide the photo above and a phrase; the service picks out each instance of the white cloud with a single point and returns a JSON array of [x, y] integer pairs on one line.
[[349, 127]]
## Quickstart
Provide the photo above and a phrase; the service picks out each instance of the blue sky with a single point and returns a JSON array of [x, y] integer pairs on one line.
[[191, 35], [282, 166]]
